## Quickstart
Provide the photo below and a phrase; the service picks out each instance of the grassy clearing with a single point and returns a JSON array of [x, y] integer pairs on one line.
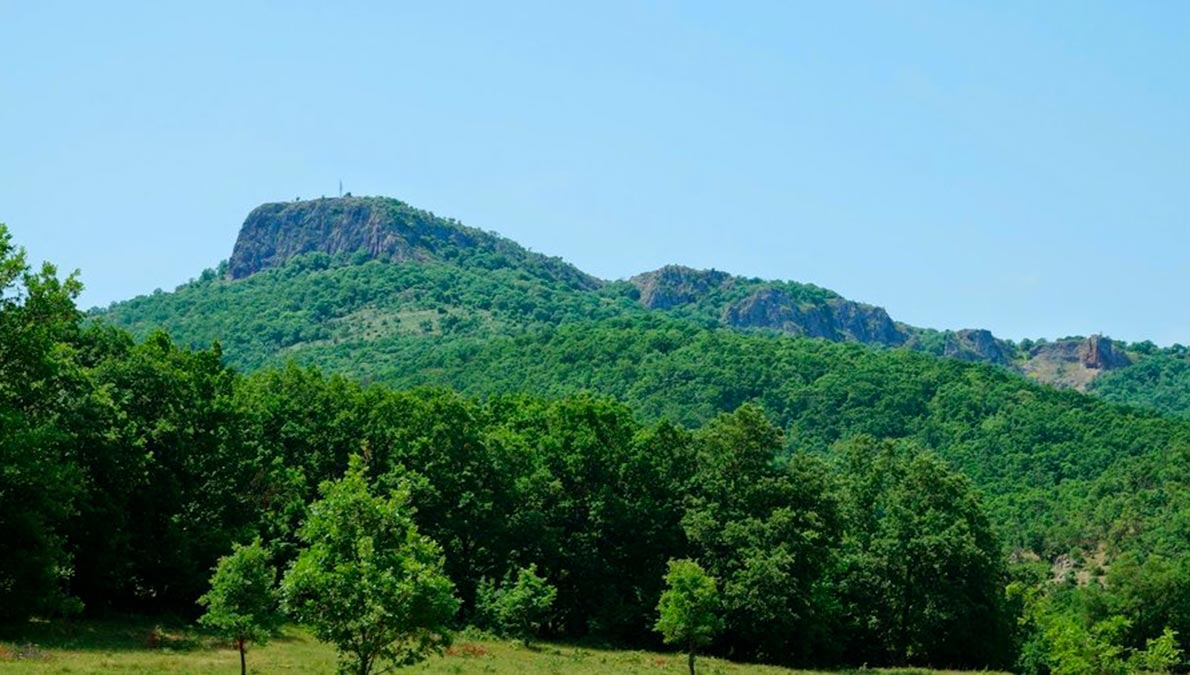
[[140, 647]]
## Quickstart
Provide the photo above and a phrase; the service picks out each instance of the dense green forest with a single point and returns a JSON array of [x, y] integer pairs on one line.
[[855, 505], [1159, 380], [315, 281]]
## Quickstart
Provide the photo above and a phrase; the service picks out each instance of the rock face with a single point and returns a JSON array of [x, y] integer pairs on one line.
[[751, 303], [866, 323], [977, 345], [1099, 353], [836, 319], [378, 228], [1095, 352], [1073, 363], [674, 285]]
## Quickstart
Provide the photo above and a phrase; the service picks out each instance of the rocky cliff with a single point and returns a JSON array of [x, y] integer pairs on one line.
[[738, 302], [978, 345], [835, 319], [379, 228], [1073, 363], [674, 285]]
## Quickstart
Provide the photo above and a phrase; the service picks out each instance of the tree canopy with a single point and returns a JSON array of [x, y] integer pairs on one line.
[[366, 580], [243, 603], [854, 505], [689, 608]]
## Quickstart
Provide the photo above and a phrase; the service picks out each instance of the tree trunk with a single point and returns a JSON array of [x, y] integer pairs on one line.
[[243, 665], [691, 660]]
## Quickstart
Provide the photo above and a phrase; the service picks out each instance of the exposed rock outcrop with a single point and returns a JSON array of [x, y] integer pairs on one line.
[[978, 345], [1100, 353], [379, 228], [866, 323], [674, 285], [1073, 363], [836, 319], [796, 309]]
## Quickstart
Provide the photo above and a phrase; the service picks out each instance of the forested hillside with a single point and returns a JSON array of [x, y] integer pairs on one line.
[[856, 504], [352, 279], [503, 331]]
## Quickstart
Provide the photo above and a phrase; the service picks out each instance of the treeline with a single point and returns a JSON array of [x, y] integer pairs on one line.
[[1051, 463], [163, 458], [127, 469], [320, 299], [347, 314]]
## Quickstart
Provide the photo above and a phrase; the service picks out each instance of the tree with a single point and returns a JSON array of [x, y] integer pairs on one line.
[[1161, 654], [921, 573], [519, 608], [366, 580], [764, 529], [184, 456], [242, 602], [41, 389], [688, 608]]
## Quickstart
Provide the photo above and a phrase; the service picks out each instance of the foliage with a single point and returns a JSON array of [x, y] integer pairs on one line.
[[1161, 654], [921, 570], [689, 608], [519, 608], [1070, 637], [1160, 379], [243, 603], [766, 530], [367, 582], [41, 392], [532, 425]]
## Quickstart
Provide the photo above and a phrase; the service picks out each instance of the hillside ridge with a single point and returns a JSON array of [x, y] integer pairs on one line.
[[437, 275]]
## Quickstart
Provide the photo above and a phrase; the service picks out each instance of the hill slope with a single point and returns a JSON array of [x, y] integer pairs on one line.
[[1087, 489], [343, 275], [435, 303]]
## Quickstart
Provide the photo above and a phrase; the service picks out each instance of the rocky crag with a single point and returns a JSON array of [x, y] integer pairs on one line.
[[1073, 363], [380, 228]]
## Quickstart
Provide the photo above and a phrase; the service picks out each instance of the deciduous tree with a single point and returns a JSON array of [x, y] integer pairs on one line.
[[689, 608], [367, 581], [242, 602]]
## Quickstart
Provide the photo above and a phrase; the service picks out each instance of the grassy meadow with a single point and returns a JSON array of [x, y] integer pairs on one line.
[[131, 646]]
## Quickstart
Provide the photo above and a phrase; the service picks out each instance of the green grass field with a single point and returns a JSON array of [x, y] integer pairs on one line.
[[130, 646]]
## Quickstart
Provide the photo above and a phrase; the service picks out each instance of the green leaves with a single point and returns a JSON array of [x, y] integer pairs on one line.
[[518, 608], [243, 601], [367, 582], [689, 608], [921, 571], [42, 389], [766, 530]]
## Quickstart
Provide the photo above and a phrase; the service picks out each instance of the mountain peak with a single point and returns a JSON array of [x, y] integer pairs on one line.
[[379, 228]]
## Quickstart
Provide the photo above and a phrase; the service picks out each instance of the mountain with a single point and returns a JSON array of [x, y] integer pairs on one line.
[[381, 229], [839, 478], [376, 292], [1075, 488], [790, 308], [351, 279]]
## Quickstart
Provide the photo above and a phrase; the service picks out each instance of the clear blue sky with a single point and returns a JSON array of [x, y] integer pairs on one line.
[[1016, 166]]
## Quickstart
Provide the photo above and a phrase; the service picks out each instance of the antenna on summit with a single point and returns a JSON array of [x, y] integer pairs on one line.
[[340, 187]]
